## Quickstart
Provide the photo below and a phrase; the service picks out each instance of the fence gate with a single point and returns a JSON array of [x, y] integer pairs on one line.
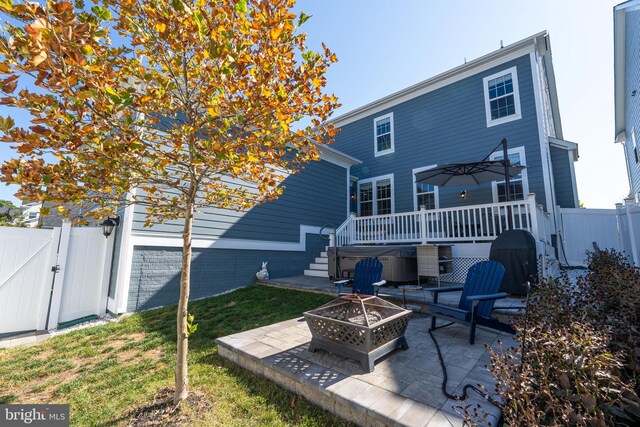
[[83, 290], [26, 258], [52, 276]]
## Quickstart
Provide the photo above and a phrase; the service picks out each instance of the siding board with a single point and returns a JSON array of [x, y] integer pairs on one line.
[[315, 196], [632, 106], [447, 125], [562, 175]]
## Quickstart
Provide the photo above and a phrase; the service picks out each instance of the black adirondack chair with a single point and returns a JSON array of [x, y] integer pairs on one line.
[[366, 278], [479, 293]]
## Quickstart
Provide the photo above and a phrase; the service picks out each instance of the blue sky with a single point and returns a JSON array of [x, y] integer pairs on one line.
[[385, 46]]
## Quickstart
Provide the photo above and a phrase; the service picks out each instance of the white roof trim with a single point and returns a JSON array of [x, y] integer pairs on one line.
[[504, 54], [336, 157], [621, 137], [565, 145], [619, 60], [545, 53]]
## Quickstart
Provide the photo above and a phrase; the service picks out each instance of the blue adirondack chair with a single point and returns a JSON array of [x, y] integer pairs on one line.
[[366, 278], [479, 293]]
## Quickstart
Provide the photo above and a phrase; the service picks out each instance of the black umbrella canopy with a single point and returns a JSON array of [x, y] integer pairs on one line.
[[465, 174]]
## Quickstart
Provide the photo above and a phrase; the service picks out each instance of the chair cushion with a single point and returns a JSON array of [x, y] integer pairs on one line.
[[445, 310]]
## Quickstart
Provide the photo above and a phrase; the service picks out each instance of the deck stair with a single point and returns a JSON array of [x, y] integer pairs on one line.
[[320, 266]]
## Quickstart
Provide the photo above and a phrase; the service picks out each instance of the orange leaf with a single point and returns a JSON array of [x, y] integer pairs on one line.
[[39, 58]]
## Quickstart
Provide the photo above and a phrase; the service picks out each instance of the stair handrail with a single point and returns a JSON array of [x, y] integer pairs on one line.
[[344, 228], [333, 241]]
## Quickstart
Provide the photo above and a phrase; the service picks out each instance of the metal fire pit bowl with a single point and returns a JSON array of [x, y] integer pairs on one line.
[[359, 327]]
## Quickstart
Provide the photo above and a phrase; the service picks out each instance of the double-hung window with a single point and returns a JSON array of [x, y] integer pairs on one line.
[[519, 184], [375, 196], [383, 131], [502, 97], [424, 194]]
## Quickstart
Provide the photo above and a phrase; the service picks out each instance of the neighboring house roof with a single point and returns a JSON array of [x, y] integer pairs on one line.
[[539, 41], [619, 63]]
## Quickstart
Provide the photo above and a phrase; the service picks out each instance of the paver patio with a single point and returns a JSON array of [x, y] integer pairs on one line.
[[503, 310], [404, 389]]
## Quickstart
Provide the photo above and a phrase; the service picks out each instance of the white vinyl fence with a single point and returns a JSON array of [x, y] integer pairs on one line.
[[608, 228], [52, 276]]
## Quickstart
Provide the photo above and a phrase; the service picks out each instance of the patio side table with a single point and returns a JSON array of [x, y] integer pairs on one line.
[[410, 288]]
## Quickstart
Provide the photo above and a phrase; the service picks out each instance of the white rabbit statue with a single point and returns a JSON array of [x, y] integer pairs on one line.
[[263, 274]]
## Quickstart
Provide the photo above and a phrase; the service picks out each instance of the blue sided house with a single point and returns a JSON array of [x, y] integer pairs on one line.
[[626, 18], [365, 185]]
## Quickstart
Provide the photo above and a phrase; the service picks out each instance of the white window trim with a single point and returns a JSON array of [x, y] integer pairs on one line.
[[525, 178], [375, 136], [516, 97], [436, 190], [374, 192]]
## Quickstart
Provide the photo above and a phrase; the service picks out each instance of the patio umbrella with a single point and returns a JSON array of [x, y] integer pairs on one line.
[[475, 173], [465, 174]]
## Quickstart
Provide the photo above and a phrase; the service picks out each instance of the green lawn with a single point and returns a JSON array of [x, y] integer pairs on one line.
[[106, 372]]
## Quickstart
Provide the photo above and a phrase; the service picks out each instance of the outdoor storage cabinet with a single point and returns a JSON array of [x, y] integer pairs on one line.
[[434, 260]]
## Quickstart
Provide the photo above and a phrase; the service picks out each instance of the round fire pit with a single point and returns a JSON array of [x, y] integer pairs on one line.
[[359, 327]]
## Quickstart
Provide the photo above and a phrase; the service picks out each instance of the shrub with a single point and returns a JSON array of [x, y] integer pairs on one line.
[[577, 363], [611, 293]]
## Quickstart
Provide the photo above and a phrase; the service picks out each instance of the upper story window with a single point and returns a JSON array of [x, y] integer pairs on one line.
[[424, 194], [383, 131], [33, 215], [375, 196], [501, 97], [519, 184]]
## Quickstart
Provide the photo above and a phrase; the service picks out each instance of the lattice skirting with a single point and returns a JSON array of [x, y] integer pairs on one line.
[[460, 266]]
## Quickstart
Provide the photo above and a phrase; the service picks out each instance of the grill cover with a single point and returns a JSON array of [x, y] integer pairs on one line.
[[516, 251]]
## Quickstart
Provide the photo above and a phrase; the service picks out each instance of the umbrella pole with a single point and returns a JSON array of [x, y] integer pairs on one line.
[[507, 181]]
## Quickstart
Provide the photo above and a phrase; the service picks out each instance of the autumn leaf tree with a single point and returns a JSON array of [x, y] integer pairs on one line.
[[189, 103]]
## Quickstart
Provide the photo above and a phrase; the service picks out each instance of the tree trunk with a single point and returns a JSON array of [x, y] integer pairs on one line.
[[183, 310]]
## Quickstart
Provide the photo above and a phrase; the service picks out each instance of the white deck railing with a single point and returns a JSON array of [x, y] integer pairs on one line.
[[476, 223]]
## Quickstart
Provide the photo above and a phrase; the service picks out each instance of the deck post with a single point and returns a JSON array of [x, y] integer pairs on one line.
[[533, 212], [351, 227], [423, 224]]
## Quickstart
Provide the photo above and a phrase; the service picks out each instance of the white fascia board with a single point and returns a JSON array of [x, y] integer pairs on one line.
[[544, 50], [619, 63], [461, 72], [337, 157], [574, 181], [174, 240], [565, 145], [544, 149]]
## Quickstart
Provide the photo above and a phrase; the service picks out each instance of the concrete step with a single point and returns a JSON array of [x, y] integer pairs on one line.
[[316, 273], [323, 254], [323, 267], [322, 260]]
